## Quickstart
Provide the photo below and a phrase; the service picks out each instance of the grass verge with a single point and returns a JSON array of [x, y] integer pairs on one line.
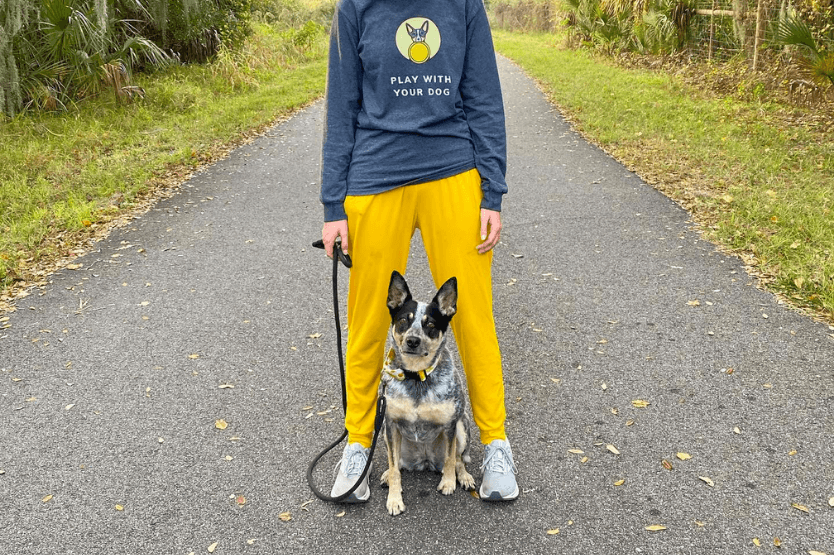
[[68, 177], [759, 177]]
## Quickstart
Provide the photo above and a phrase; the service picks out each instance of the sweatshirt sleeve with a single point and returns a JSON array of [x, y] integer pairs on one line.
[[480, 92], [343, 100]]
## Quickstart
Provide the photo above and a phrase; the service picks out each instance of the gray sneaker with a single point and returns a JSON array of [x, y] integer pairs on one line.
[[498, 482], [349, 470]]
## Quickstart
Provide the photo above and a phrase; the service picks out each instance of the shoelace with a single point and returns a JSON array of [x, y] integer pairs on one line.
[[354, 464], [497, 461]]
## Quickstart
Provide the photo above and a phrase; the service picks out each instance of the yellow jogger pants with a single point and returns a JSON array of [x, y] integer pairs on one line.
[[380, 227]]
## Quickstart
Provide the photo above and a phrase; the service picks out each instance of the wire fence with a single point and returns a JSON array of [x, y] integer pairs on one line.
[[740, 34]]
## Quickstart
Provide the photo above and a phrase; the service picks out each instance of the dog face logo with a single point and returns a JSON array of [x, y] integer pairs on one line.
[[418, 39]]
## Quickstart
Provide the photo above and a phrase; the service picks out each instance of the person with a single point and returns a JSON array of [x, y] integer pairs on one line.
[[414, 138]]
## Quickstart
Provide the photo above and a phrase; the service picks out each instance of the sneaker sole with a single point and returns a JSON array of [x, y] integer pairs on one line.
[[496, 496]]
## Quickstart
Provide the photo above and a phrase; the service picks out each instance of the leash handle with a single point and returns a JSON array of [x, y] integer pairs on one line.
[[380, 407], [337, 248]]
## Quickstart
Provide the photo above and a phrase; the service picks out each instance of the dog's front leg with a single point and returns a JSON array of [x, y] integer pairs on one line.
[[447, 482], [395, 503]]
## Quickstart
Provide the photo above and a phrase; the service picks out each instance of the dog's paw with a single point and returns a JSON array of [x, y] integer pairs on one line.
[[383, 480], [395, 504], [447, 486], [466, 480]]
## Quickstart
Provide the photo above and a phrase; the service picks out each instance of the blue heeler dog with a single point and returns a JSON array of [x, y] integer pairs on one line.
[[427, 420]]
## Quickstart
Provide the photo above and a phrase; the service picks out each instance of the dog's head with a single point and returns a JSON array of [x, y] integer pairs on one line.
[[419, 329]]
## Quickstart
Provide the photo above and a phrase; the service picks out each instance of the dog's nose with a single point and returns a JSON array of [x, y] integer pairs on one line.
[[412, 342]]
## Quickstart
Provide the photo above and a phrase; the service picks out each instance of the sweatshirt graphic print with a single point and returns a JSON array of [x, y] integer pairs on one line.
[[412, 96]]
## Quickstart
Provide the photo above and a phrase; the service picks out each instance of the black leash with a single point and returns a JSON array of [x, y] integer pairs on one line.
[[339, 256]]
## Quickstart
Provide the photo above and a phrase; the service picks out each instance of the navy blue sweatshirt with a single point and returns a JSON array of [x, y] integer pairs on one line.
[[412, 96]]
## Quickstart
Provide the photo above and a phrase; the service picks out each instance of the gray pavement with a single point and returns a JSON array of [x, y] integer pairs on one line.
[[110, 378]]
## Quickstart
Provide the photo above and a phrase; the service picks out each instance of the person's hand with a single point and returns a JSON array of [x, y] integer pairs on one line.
[[490, 230], [330, 232]]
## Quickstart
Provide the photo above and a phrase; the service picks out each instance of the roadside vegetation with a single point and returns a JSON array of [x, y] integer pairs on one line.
[[758, 175], [80, 148]]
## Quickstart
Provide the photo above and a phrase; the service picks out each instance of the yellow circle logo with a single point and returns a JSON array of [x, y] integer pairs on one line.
[[418, 39]]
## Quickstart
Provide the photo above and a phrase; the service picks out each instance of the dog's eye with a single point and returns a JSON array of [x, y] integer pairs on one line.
[[430, 325]]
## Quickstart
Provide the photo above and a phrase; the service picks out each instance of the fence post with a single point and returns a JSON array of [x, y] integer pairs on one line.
[[759, 32], [711, 31]]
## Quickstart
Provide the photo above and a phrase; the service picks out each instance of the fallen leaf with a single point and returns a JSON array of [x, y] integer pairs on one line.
[[612, 449], [696, 302], [700, 524], [340, 515], [556, 380], [212, 547], [229, 457], [583, 460], [195, 355], [799, 507], [314, 335], [74, 266], [640, 403], [220, 424], [756, 542], [250, 542], [517, 255], [736, 430], [655, 528], [226, 386], [553, 532], [667, 465], [792, 452], [47, 499], [285, 516], [240, 500], [777, 542], [812, 552], [684, 456], [708, 482], [831, 502], [119, 508], [576, 451], [619, 482], [308, 407], [629, 422]]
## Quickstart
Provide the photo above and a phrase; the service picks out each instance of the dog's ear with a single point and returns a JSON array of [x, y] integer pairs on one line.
[[398, 293], [447, 297]]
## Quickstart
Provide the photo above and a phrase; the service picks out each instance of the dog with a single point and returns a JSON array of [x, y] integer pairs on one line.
[[427, 419]]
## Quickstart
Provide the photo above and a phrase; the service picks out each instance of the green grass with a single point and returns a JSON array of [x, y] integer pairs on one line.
[[761, 184], [63, 174]]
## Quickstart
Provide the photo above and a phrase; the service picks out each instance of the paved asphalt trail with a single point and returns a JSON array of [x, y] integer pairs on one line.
[[111, 377]]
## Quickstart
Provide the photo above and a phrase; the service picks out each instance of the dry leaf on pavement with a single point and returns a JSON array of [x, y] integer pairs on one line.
[[684, 456], [708, 482], [552, 531], [286, 516], [612, 449], [655, 527], [221, 424], [640, 403]]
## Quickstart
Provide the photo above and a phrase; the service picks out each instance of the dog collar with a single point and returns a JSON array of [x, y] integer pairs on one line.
[[398, 373]]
